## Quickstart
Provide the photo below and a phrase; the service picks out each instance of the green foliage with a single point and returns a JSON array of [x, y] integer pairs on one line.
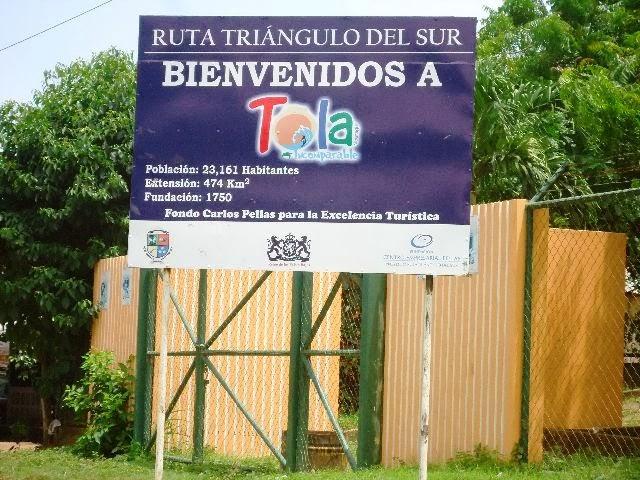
[[24, 365], [65, 163], [576, 11], [102, 396], [524, 11], [521, 136], [557, 82], [481, 458], [560, 84], [606, 115]]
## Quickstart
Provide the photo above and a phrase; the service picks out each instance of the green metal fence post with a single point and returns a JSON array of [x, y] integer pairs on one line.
[[302, 453], [550, 182], [200, 393], [523, 446], [145, 342], [374, 297], [298, 413], [294, 371]]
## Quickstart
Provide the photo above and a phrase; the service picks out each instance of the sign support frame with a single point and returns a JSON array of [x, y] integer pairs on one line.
[[425, 398], [162, 381]]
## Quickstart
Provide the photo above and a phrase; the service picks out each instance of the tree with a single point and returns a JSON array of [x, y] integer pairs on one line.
[[65, 162], [557, 82]]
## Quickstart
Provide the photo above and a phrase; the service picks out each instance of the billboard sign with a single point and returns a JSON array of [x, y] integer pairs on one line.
[[303, 143]]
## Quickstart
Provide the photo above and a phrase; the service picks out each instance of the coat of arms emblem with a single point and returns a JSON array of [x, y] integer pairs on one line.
[[158, 245], [289, 249]]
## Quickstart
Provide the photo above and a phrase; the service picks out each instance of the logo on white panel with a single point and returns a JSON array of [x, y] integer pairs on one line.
[[289, 248]]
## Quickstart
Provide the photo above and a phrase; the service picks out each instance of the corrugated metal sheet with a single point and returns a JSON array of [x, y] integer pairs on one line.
[[477, 345], [116, 325]]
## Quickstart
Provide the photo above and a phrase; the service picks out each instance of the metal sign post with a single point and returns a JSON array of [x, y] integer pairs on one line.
[[162, 381], [426, 378]]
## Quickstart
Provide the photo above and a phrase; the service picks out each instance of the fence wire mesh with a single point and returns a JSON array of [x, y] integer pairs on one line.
[[249, 347], [337, 375], [582, 318]]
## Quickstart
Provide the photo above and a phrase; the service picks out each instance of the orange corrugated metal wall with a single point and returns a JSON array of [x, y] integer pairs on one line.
[[477, 341], [116, 325], [477, 344]]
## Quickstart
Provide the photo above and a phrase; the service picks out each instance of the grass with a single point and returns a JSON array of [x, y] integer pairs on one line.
[[348, 421], [54, 464], [631, 409]]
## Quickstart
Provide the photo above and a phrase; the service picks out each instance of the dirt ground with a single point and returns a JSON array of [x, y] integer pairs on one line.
[[13, 446]]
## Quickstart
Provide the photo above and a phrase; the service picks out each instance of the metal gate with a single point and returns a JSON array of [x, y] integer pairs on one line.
[[312, 360]]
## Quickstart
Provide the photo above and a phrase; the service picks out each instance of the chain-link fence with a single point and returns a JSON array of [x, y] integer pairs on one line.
[[332, 375], [252, 353], [582, 289]]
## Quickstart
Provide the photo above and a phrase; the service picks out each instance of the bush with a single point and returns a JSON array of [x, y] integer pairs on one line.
[[102, 397]]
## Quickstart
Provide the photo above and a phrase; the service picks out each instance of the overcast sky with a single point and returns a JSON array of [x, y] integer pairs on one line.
[[116, 24]]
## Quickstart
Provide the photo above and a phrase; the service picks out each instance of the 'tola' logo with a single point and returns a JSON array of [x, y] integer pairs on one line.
[[301, 135]]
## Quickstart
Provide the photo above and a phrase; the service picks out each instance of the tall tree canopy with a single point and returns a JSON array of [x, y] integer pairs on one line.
[[65, 163], [558, 82]]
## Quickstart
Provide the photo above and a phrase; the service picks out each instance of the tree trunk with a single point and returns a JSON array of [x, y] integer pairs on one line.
[[45, 408]]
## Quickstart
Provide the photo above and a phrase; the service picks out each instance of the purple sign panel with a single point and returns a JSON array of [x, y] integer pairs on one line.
[[303, 143]]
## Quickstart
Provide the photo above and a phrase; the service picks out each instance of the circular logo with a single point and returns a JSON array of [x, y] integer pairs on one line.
[[294, 127], [422, 240]]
